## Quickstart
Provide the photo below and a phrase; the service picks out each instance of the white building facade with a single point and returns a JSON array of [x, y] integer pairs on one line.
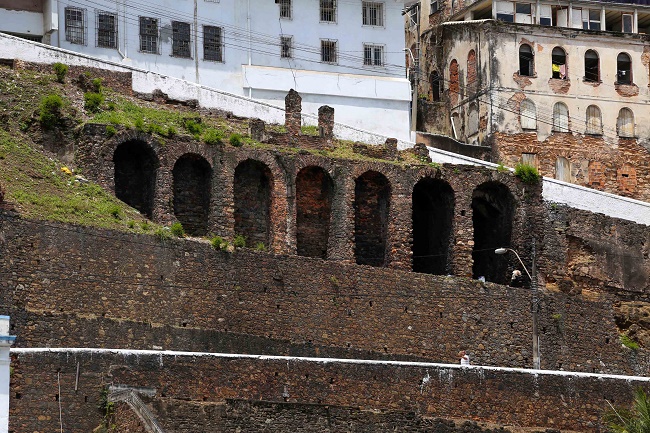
[[346, 54]]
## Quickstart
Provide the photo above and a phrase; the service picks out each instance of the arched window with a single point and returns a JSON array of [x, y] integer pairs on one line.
[[526, 61], [471, 72], [472, 119], [592, 67], [559, 68], [625, 123], [562, 169], [436, 86], [528, 114], [623, 69], [560, 117], [594, 120]]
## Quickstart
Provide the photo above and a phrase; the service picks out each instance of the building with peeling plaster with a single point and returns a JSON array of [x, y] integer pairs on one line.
[[348, 55], [560, 85]]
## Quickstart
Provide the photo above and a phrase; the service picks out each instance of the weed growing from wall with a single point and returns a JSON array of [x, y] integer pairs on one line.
[[527, 173]]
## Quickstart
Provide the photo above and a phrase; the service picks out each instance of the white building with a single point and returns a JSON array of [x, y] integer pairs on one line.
[[346, 54]]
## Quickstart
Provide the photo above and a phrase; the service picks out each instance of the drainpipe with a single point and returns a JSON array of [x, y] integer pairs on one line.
[[250, 43], [196, 42]]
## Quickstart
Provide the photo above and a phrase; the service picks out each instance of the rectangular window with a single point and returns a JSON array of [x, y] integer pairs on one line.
[[373, 55], [506, 11], [328, 51], [627, 23], [373, 13], [149, 35], [75, 25], [433, 7], [545, 15], [285, 8], [590, 19], [286, 47], [181, 44], [328, 11], [524, 13], [529, 159], [106, 30], [213, 43]]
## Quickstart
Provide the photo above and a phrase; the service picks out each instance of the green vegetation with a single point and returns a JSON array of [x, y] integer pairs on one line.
[[177, 229], [309, 130], [110, 130], [635, 420], [50, 110], [212, 136], [217, 242], [236, 139], [628, 342], [60, 70], [527, 173], [259, 246], [97, 85], [502, 168], [93, 101], [163, 233], [239, 241]]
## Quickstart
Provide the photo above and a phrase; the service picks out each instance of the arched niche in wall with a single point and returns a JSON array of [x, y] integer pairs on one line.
[[492, 210], [136, 165], [192, 180], [253, 184], [371, 212], [433, 204], [314, 195]]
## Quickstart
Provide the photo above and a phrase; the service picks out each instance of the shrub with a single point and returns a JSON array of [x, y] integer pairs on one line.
[[110, 130], [97, 85], [154, 128], [93, 101], [112, 106], [163, 233], [212, 136], [527, 173], [115, 211], [193, 126], [628, 342], [260, 246], [171, 131], [217, 242], [178, 230], [236, 139], [60, 70], [130, 224], [139, 124], [239, 241], [50, 110]]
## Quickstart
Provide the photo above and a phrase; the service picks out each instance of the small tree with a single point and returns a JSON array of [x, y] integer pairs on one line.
[[60, 70]]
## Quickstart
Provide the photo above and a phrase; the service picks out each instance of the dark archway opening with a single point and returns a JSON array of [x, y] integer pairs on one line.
[[135, 165], [493, 209], [433, 211], [192, 179], [252, 191], [314, 193], [371, 210]]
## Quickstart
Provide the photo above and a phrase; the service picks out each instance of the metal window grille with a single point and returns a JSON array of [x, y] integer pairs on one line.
[[285, 8], [328, 11], [286, 44], [75, 25], [328, 51], [373, 55], [149, 35], [213, 43], [373, 14], [181, 43], [106, 24]]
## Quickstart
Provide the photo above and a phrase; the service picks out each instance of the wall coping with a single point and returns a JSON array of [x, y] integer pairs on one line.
[[176, 354]]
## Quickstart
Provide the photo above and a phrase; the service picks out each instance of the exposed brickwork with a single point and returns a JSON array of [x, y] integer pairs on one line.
[[626, 177], [192, 178], [194, 380], [522, 80], [454, 86], [559, 86], [326, 121], [627, 90], [583, 152], [257, 130], [472, 74], [292, 113], [314, 194], [252, 193]]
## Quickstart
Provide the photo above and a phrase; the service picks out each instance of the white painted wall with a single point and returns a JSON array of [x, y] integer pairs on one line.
[[6, 341], [252, 63], [22, 22]]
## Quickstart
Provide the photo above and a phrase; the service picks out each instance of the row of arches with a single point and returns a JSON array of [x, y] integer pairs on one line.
[[559, 65], [432, 204], [625, 127]]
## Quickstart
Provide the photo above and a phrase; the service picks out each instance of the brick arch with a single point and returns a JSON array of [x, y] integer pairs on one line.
[[253, 185], [493, 207], [372, 192], [454, 83], [192, 180], [314, 197], [472, 72], [136, 165], [432, 204]]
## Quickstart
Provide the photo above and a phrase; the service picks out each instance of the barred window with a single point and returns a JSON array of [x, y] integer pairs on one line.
[[106, 30], [75, 25], [373, 13], [285, 8], [181, 44], [328, 51], [328, 11], [149, 35], [213, 43], [286, 47], [373, 55]]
